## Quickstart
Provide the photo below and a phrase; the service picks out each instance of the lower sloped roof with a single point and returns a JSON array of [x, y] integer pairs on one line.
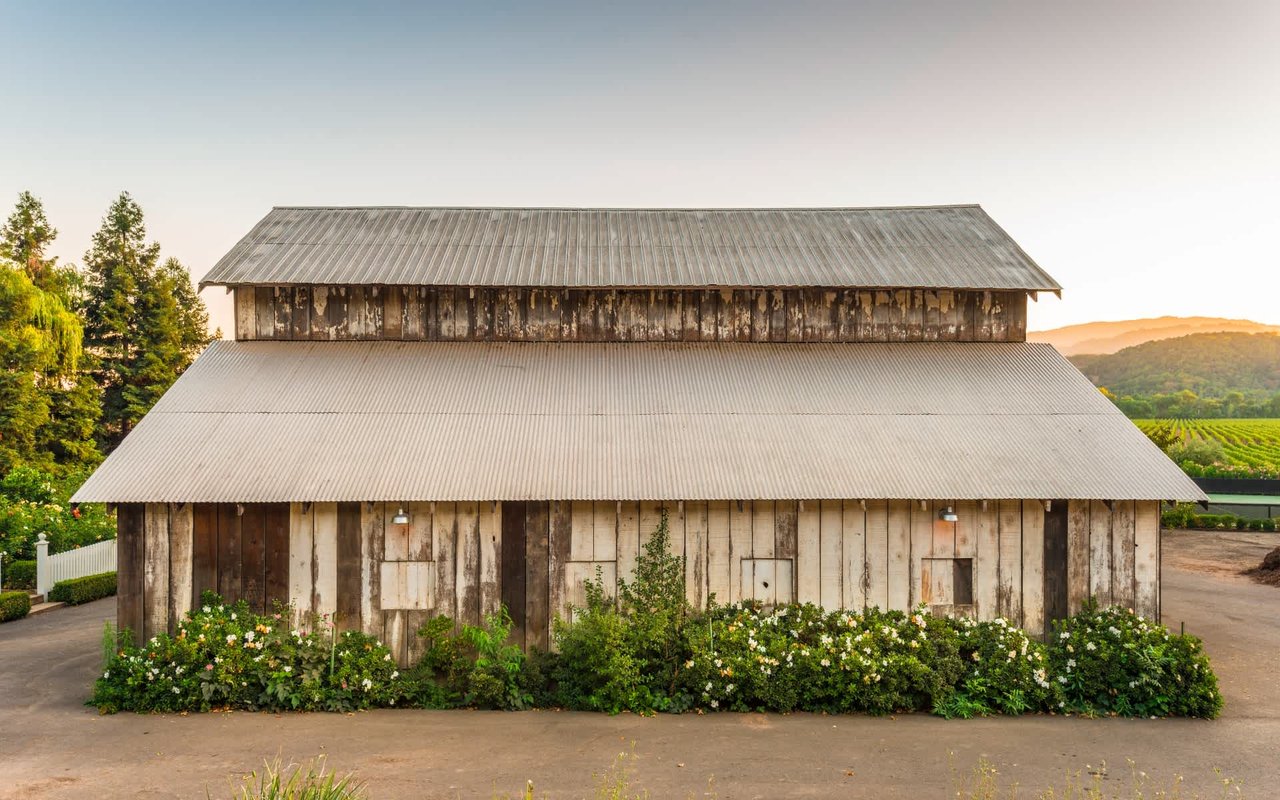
[[402, 421]]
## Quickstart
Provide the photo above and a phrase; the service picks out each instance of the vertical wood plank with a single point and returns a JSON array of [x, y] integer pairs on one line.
[[350, 583], [537, 627], [393, 312], [1056, 589], [253, 556], [628, 539], [695, 565], [675, 520], [899, 555], [877, 566], [560, 535], [764, 579], [512, 569], [831, 515], [719, 548], [1146, 562], [204, 549], [808, 547], [246, 323], [180, 550], [1077, 554], [582, 541], [130, 548], [604, 530], [986, 567], [419, 532], [300, 554], [394, 635], [739, 548], [763, 525], [853, 545], [228, 552], [324, 559], [155, 569], [1122, 554], [490, 536], [277, 556], [966, 528], [650, 517], [467, 580], [1009, 591], [444, 546], [1033, 567], [784, 578], [373, 518], [411, 313], [921, 547], [1100, 552], [513, 557]]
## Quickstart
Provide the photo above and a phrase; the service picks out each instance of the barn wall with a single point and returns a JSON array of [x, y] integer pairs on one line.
[[748, 315], [1010, 559]]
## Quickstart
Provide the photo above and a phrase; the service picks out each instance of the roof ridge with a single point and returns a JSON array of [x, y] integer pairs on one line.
[[940, 206]]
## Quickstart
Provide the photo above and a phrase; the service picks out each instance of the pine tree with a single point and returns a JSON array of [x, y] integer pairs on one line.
[[144, 322]]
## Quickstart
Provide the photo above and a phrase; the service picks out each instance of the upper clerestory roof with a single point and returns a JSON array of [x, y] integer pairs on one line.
[[956, 247]]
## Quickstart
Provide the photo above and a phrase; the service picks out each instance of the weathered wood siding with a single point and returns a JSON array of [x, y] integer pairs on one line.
[[641, 315], [1009, 558]]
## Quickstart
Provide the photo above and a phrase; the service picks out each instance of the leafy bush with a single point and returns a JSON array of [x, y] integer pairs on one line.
[[1201, 452], [1184, 516], [629, 656], [476, 667], [34, 502], [19, 574], [226, 656], [75, 591], [14, 605], [1113, 661], [1006, 672]]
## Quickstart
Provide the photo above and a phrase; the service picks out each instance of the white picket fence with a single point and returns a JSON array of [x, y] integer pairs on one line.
[[88, 560]]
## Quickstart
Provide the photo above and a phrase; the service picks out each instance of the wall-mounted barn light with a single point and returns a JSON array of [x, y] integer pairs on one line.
[[948, 514], [400, 518]]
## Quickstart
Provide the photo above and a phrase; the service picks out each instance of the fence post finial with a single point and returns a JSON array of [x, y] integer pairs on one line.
[[42, 565]]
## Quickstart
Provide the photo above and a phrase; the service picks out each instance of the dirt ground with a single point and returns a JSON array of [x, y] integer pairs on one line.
[[51, 746]]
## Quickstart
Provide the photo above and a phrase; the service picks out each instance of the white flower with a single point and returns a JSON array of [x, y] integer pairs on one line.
[[1090, 646], [825, 662], [395, 673], [248, 637], [106, 675], [233, 615], [367, 684], [715, 703], [387, 657], [206, 609], [288, 668], [1062, 679], [708, 686], [728, 689], [231, 638]]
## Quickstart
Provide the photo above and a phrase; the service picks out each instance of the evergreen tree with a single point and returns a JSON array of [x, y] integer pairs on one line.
[[144, 321], [25, 240]]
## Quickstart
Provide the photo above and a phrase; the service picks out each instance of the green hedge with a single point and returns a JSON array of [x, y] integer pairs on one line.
[[19, 574], [81, 590], [1185, 516], [14, 605]]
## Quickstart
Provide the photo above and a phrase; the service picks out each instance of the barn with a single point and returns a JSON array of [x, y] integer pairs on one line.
[[440, 410]]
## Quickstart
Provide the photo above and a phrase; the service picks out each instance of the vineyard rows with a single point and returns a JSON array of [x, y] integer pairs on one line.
[[1246, 442]]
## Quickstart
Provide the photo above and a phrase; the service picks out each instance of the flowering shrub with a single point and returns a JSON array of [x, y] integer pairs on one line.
[[226, 656], [1006, 672], [800, 657], [33, 502], [1110, 660]]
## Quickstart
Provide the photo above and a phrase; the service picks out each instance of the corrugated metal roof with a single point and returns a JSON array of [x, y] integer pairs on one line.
[[401, 421], [931, 247]]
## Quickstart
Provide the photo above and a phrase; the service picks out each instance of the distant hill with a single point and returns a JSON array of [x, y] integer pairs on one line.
[[1111, 337], [1209, 364]]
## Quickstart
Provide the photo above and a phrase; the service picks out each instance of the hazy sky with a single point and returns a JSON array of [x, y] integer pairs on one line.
[[1132, 148]]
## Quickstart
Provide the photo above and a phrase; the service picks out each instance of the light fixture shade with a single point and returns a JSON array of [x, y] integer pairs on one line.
[[400, 518], [948, 514]]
